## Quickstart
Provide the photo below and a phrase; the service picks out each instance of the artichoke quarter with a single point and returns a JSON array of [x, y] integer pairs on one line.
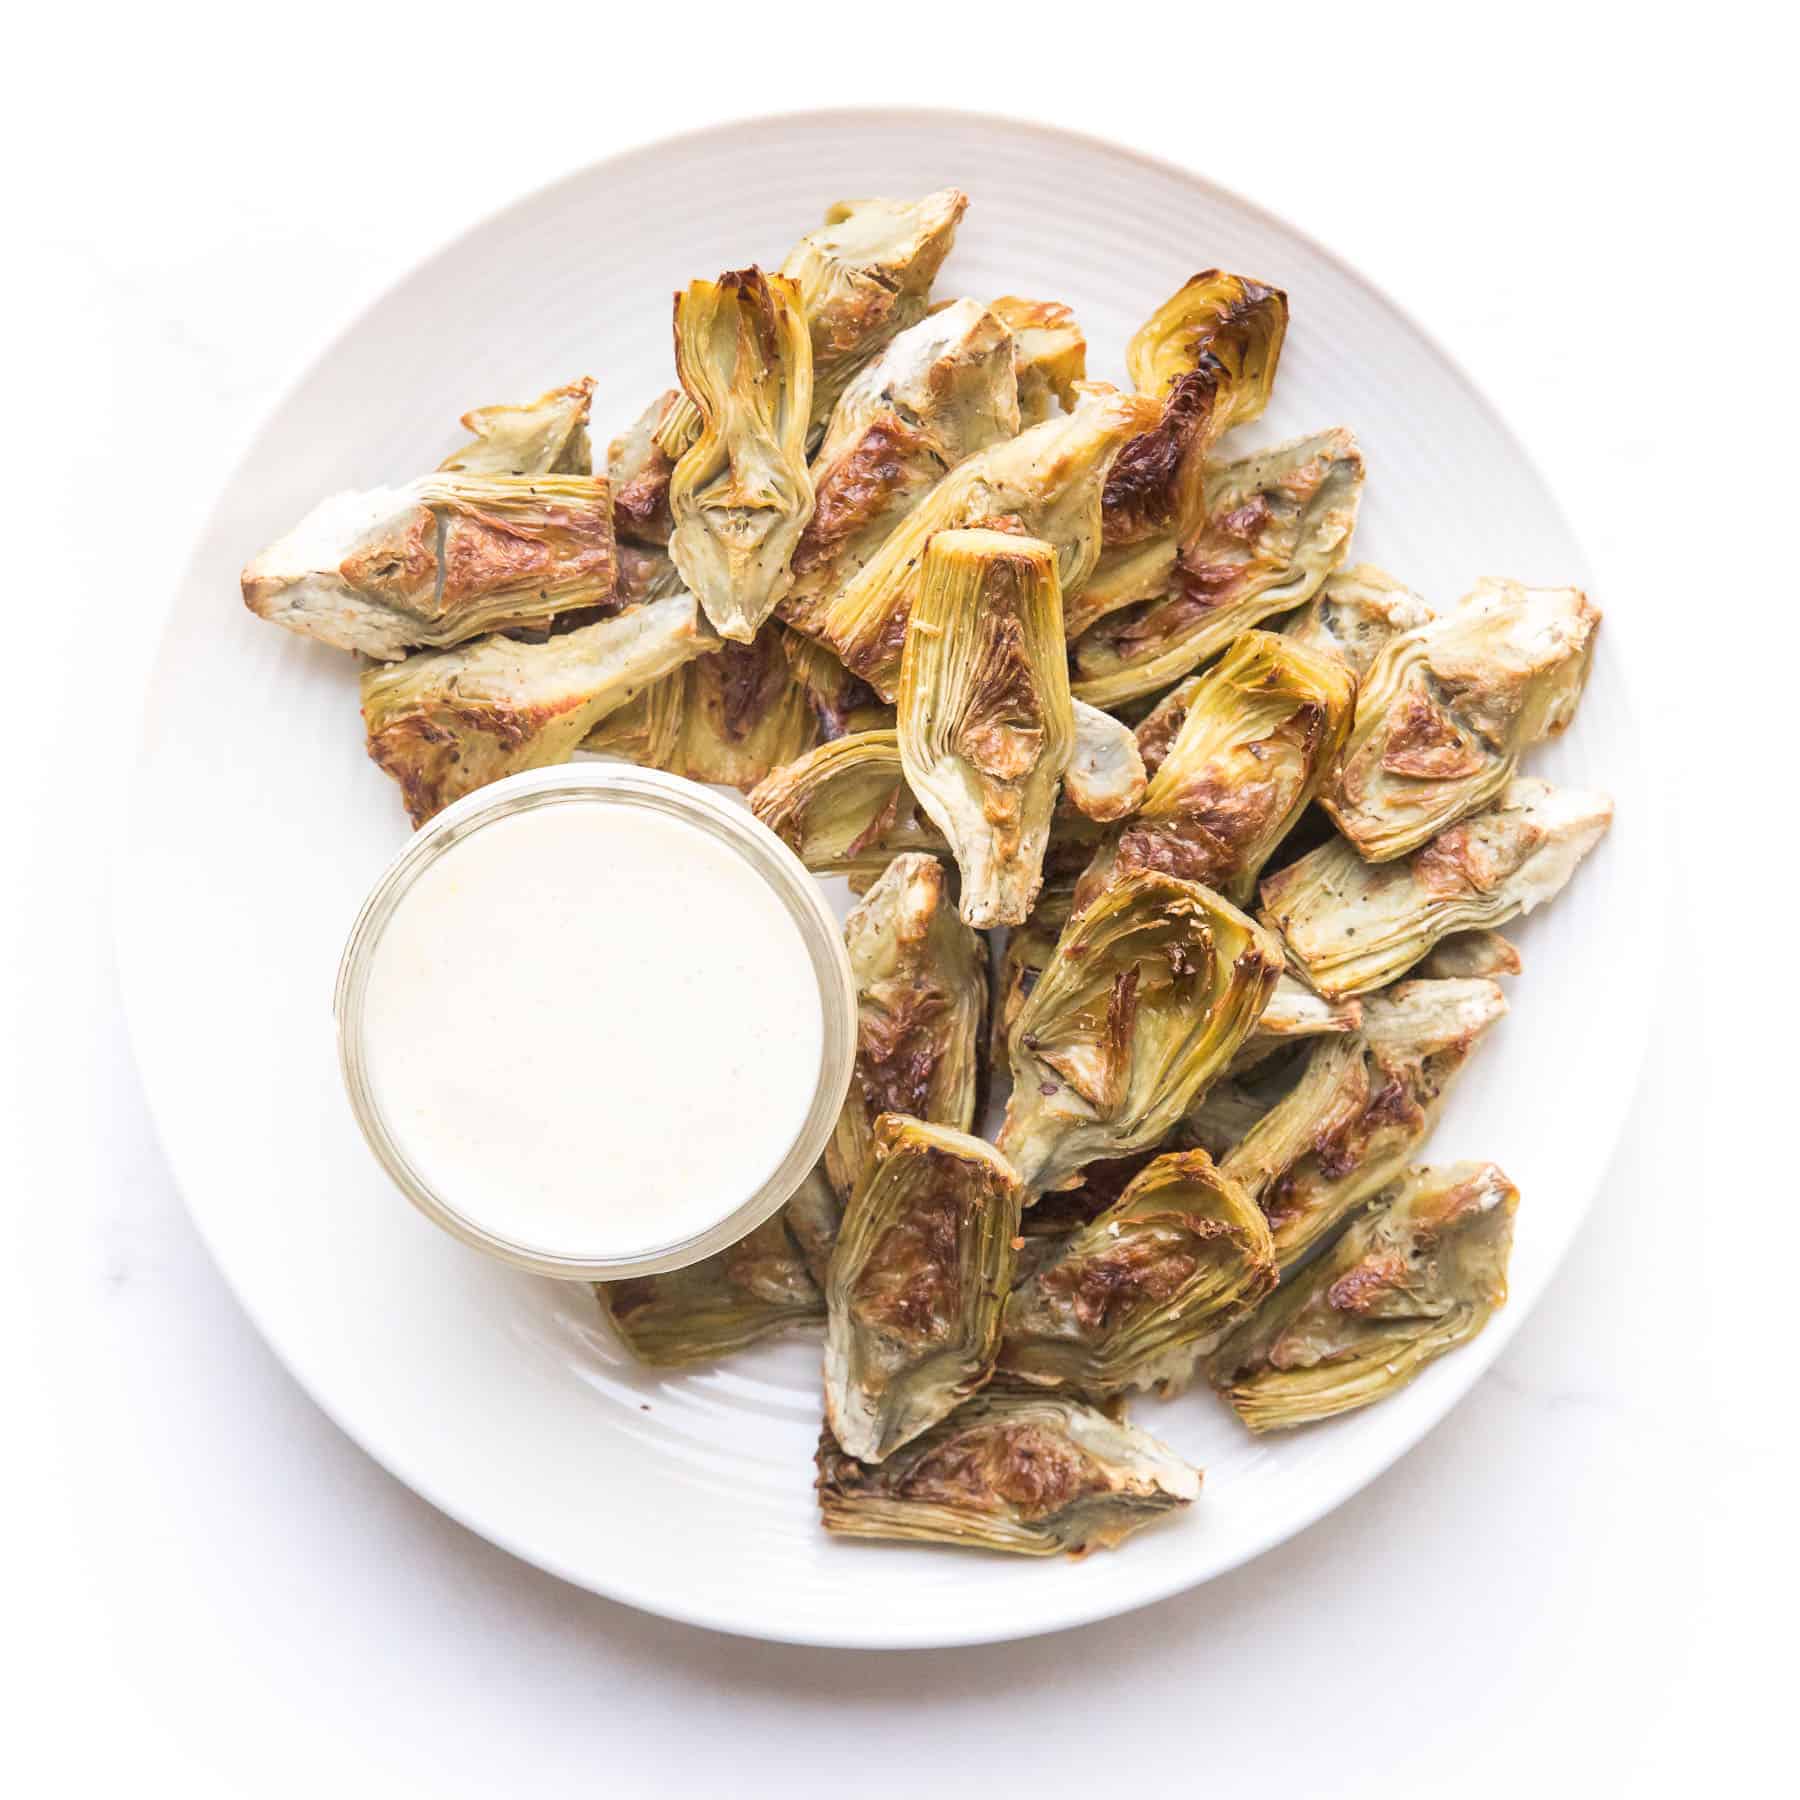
[[1356, 614], [1141, 1291], [1420, 1273], [1024, 1471], [438, 561], [1147, 997], [1446, 709], [845, 808], [548, 436], [916, 1285], [724, 1302], [986, 726], [740, 496], [1349, 926], [921, 998], [1049, 355], [446, 722], [1276, 525]]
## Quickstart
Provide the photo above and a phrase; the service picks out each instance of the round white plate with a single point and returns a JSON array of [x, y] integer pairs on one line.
[[259, 823]]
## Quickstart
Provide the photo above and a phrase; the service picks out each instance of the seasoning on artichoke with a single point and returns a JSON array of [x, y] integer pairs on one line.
[[1261, 730], [1277, 523], [845, 808], [1356, 614], [1447, 708], [1149, 994], [986, 729], [1105, 779], [1049, 355], [549, 436], [813, 1215], [941, 391], [445, 723], [740, 496], [1363, 1105], [724, 1302], [1349, 926], [917, 1283], [1014, 1469], [1472, 953], [1420, 1273], [1046, 483], [1143, 1290], [841, 702], [639, 470], [921, 997], [438, 561]]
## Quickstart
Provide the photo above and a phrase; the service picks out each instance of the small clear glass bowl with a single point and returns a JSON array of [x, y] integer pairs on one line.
[[728, 823]]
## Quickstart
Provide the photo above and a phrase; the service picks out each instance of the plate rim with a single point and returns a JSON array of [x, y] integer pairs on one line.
[[1476, 1358]]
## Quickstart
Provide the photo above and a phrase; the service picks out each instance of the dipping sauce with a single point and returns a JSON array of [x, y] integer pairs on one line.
[[593, 1028]]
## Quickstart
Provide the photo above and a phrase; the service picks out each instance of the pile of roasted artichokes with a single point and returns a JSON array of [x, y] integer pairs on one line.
[[1020, 652]]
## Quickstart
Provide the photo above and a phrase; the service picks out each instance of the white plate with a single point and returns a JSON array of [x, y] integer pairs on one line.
[[259, 824]]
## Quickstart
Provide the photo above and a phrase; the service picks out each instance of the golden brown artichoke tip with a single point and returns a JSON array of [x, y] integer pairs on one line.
[[639, 470], [725, 1302], [1012, 1469], [740, 496], [445, 723], [1049, 355], [548, 436], [1141, 1291], [438, 561], [1261, 729], [1420, 1273], [942, 390], [1277, 524], [1105, 780], [921, 997], [1239, 322], [1363, 1105], [1356, 614], [917, 1283], [1046, 482], [1349, 926], [845, 808], [1148, 996], [1447, 709], [986, 729]]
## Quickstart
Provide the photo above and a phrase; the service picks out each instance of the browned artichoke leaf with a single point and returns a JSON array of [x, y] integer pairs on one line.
[[548, 436], [1446, 710], [743, 713], [1356, 614], [1237, 322], [921, 997], [1276, 524], [1049, 355], [446, 722], [1019, 1470], [639, 469], [917, 1283], [724, 1302], [438, 561], [1420, 1273], [841, 703]]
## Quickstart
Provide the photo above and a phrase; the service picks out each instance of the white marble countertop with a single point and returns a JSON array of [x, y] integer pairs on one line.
[[213, 1590]]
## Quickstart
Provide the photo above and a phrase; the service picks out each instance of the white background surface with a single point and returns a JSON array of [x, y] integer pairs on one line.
[[1579, 1573]]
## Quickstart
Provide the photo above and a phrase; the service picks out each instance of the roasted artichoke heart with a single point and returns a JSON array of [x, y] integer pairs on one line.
[[1012, 1469], [1423, 1271], [941, 391], [1356, 614], [1049, 355], [1140, 1292], [917, 1284], [1363, 1105], [841, 702], [726, 1302], [1350, 926], [1147, 997], [1238, 323], [450, 721], [1046, 483], [438, 561], [1277, 523], [921, 997], [1105, 779], [1260, 731], [845, 808], [547, 437], [1447, 708], [741, 495], [986, 727]]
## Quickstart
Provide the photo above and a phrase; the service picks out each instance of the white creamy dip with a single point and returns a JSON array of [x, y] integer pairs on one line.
[[592, 1028]]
